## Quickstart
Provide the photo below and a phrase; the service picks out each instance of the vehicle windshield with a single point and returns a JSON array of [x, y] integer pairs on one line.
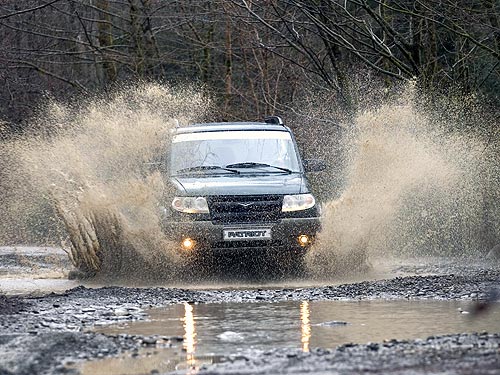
[[245, 151]]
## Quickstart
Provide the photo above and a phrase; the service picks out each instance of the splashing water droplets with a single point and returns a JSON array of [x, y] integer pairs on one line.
[[398, 168], [94, 170], [411, 185]]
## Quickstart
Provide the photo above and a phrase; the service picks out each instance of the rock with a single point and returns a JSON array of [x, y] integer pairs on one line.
[[121, 312], [149, 340], [333, 323]]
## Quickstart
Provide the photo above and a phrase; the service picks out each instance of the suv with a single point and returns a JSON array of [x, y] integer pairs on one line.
[[240, 188]]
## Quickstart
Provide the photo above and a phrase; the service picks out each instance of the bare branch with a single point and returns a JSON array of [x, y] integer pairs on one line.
[[28, 10]]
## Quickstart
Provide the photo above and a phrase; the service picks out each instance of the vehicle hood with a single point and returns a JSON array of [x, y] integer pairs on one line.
[[242, 184]]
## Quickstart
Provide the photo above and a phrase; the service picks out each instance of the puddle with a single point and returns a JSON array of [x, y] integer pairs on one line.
[[211, 331], [35, 287], [32, 270]]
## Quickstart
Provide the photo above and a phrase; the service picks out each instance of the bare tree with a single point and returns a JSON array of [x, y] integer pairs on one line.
[[439, 42], [256, 57]]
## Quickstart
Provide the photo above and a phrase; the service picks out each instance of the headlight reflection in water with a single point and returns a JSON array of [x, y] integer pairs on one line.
[[190, 335], [189, 344], [305, 325]]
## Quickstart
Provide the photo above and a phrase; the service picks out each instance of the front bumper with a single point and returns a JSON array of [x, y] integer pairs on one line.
[[209, 236]]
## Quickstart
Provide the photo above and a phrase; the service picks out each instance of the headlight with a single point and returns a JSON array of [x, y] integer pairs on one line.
[[190, 205], [298, 202]]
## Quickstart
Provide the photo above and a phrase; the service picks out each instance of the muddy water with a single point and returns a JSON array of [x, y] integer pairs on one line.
[[210, 331], [413, 184], [33, 270]]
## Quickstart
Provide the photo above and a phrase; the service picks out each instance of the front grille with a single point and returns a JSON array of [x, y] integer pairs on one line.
[[241, 209]]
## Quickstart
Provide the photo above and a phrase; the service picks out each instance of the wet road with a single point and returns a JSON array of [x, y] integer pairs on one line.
[[254, 327], [30, 270]]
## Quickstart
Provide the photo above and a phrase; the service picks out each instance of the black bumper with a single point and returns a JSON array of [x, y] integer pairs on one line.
[[209, 236]]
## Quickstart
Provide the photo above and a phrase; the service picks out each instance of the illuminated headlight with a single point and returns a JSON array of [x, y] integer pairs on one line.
[[188, 244], [190, 205], [298, 202]]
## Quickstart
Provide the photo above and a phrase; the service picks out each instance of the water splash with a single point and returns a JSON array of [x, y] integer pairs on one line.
[[411, 185], [90, 168], [411, 189]]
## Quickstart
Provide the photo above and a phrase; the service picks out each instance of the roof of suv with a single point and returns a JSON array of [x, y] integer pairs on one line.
[[228, 126]]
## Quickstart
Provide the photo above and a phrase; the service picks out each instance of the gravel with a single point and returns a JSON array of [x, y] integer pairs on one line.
[[477, 353], [41, 334], [11, 305]]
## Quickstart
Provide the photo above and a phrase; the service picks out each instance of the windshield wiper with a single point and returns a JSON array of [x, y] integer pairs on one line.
[[205, 168], [251, 164]]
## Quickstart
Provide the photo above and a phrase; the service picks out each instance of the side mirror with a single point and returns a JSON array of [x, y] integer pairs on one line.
[[314, 165]]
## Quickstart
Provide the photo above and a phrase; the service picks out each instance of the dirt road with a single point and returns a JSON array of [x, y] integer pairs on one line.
[[275, 328]]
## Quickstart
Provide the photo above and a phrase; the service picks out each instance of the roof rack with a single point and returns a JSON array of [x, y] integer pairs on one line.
[[275, 120]]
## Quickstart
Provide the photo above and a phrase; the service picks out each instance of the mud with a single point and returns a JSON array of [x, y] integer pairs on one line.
[[11, 305], [457, 354], [214, 330], [411, 188], [37, 262], [89, 175], [52, 352], [53, 333]]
